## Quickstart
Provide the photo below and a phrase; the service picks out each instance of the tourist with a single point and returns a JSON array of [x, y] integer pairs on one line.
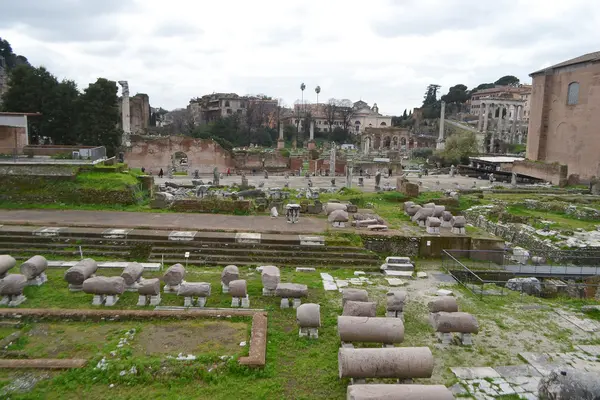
[[143, 170], [360, 171], [160, 173], [228, 172]]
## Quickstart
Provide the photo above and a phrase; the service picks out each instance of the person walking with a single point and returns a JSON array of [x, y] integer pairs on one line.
[[160, 173]]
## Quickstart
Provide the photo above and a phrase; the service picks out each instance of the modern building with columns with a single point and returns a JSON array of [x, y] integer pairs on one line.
[[503, 118], [393, 139]]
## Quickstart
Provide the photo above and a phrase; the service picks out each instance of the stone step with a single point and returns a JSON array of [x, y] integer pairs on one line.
[[44, 251], [294, 262], [266, 252]]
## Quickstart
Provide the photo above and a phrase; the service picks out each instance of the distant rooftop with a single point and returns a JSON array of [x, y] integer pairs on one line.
[[590, 57]]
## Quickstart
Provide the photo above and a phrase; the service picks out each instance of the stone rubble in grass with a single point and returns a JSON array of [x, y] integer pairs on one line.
[[444, 292], [422, 274], [358, 273], [395, 282]]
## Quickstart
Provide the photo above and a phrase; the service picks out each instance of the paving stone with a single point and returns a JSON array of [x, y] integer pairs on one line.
[[510, 371], [458, 389], [593, 350], [474, 372], [505, 389], [528, 396], [541, 362]]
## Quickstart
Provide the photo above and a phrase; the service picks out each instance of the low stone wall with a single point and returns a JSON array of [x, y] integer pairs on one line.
[[212, 206], [554, 173], [254, 160], [35, 169], [51, 150]]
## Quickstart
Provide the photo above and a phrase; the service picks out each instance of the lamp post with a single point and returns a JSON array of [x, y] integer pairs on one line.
[[302, 87], [318, 90]]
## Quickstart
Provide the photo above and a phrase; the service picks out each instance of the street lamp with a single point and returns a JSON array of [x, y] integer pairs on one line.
[[318, 90], [302, 87]]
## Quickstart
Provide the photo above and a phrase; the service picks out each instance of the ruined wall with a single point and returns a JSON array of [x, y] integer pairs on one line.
[[156, 153], [554, 173], [139, 111], [8, 142], [36, 169], [272, 161]]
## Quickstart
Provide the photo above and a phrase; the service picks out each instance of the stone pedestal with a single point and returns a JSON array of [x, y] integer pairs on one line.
[[311, 333], [435, 230], [171, 289], [225, 287], [98, 300], [12, 301], [111, 300], [38, 280], [395, 314], [268, 292], [458, 231], [280, 144], [445, 338], [243, 302], [188, 301], [466, 339], [312, 145], [133, 287], [155, 300], [75, 288], [142, 300], [295, 303]]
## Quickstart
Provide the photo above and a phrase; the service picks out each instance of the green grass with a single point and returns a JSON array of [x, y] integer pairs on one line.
[[105, 181]]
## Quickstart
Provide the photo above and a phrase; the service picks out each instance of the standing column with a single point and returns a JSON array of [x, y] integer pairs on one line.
[[125, 113], [312, 130], [480, 122], [499, 126], [513, 130], [332, 160], [442, 116], [486, 111], [280, 141]]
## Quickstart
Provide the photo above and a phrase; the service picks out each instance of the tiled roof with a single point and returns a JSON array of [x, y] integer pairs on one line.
[[590, 57]]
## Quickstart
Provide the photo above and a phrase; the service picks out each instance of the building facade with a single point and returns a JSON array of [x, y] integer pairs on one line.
[[565, 115], [211, 107]]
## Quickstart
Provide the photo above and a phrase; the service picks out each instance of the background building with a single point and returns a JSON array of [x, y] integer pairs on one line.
[[211, 107]]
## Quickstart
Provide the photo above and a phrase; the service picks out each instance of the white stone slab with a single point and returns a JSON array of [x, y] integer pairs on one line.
[[444, 292], [305, 269], [47, 231], [475, 373], [357, 273], [395, 282], [306, 240], [116, 233], [326, 277], [329, 285], [593, 350], [247, 237], [405, 274], [104, 264], [341, 283], [182, 235], [586, 325], [422, 274]]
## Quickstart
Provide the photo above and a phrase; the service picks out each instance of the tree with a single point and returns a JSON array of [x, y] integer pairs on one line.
[[331, 113], [339, 135], [507, 80], [61, 114], [458, 149], [457, 96], [99, 116], [431, 95], [404, 115], [345, 112], [11, 59], [182, 122]]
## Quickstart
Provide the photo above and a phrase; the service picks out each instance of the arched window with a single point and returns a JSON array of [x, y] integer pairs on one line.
[[227, 103], [382, 124], [573, 93], [357, 122]]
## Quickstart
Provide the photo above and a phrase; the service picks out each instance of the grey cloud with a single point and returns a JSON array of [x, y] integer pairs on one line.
[[65, 20], [280, 36], [175, 29]]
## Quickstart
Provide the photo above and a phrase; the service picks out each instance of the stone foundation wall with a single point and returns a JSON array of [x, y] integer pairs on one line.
[[554, 173], [272, 161], [212, 206], [11, 138], [35, 169]]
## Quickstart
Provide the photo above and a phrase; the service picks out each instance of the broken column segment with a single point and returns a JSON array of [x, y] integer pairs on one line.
[[398, 392], [443, 304], [230, 273], [106, 289], [294, 291], [149, 292], [239, 293], [421, 216], [193, 290], [433, 225], [458, 223], [6, 263], [360, 308], [270, 277], [446, 219], [372, 330], [394, 303], [34, 269], [132, 274], [78, 273], [173, 278], [456, 322], [438, 211], [308, 317], [412, 210], [354, 295], [398, 362], [11, 289]]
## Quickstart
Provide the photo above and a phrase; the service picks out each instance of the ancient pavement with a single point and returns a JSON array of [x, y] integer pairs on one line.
[[199, 222]]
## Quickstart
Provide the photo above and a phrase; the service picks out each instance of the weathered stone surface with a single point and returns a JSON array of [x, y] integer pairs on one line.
[[34, 266], [6, 262], [12, 285], [194, 289], [174, 275], [438, 211], [569, 385], [397, 362], [443, 304], [308, 315], [238, 288], [459, 322], [412, 210], [338, 216], [360, 308], [422, 214], [370, 329], [429, 205], [395, 300], [408, 204], [433, 222], [446, 216], [530, 286], [354, 295], [149, 287], [132, 272], [331, 207], [109, 285], [81, 271], [458, 221], [230, 273], [375, 391], [291, 290], [270, 277]]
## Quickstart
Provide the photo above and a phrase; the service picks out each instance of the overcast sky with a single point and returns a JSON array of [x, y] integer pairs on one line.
[[384, 51]]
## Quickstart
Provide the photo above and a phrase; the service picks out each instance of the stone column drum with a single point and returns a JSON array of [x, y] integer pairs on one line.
[[370, 330], [308, 317], [443, 303], [149, 291], [34, 269], [398, 392], [77, 274], [132, 274], [270, 277], [456, 322], [354, 295], [360, 308], [397, 362], [173, 278], [394, 304], [106, 289], [11, 289], [230, 273], [192, 290], [6, 263], [294, 291], [239, 293]]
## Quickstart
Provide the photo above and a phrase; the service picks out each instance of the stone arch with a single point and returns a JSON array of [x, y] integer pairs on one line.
[[376, 143], [383, 124], [411, 143], [387, 142]]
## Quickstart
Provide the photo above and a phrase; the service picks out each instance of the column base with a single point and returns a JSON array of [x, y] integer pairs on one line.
[[312, 145], [280, 144]]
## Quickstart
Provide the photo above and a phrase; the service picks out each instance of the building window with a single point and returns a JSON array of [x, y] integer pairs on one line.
[[229, 112], [573, 93], [382, 124], [239, 111], [227, 103]]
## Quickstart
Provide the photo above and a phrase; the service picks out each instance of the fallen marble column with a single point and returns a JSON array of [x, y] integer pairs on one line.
[[433, 225], [398, 392], [463, 323], [308, 317], [443, 304], [190, 290], [106, 289], [394, 303], [11, 289], [408, 204], [239, 293], [330, 207], [421, 216], [132, 275], [230, 273], [360, 308], [397, 362], [354, 295], [173, 278], [412, 210], [438, 211], [34, 267], [371, 330], [78, 273], [294, 291], [458, 225], [569, 384], [446, 219], [6, 263], [429, 205], [270, 277], [149, 292]]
